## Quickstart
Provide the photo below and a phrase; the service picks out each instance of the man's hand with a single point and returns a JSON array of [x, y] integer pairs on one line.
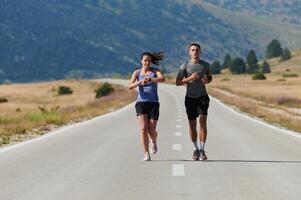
[[194, 76], [205, 79]]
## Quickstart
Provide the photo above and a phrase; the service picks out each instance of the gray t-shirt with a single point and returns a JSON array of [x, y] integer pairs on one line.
[[195, 88]]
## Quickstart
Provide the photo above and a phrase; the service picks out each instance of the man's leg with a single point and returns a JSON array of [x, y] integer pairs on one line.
[[193, 136], [192, 130], [203, 136], [203, 128]]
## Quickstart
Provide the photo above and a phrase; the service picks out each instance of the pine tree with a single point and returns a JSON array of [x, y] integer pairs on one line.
[[274, 49], [215, 67], [238, 66], [252, 62], [227, 61], [286, 54], [265, 67]]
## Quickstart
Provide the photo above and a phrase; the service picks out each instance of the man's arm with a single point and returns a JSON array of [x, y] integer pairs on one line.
[[183, 80], [207, 77]]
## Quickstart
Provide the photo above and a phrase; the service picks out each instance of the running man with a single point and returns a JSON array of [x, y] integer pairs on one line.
[[196, 73], [147, 106]]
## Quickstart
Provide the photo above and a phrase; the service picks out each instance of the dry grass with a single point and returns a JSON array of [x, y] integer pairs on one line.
[[269, 91], [277, 99], [34, 109], [284, 117]]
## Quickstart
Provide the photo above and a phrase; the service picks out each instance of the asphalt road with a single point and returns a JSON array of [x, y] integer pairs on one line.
[[101, 159]]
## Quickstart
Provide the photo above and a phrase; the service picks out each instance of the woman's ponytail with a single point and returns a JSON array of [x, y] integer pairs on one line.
[[155, 56]]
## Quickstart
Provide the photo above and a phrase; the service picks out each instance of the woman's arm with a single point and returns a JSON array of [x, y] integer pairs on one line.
[[134, 81], [159, 79]]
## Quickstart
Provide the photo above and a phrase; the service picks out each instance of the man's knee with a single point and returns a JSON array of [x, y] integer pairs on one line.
[[144, 129], [152, 131], [203, 120], [192, 124]]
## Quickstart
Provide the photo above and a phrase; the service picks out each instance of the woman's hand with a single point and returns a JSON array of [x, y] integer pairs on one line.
[[146, 80]]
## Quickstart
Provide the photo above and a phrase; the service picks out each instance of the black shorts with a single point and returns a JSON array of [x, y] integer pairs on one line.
[[196, 106], [151, 109]]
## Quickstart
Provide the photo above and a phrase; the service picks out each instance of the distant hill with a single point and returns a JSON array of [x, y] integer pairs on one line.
[[52, 39], [283, 10]]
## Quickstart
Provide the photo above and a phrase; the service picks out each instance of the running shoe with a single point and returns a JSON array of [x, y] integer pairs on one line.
[[146, 157], [202, 155], [195, 155], [154, 148]]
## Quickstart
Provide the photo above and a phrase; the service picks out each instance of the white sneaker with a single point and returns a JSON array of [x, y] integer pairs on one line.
[[202, 155], [154, 148], [146, 157]]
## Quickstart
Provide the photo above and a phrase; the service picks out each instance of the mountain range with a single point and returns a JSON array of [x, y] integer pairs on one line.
[[55, 39]]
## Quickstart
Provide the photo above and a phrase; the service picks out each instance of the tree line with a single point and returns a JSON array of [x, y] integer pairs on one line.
[[238, 65]]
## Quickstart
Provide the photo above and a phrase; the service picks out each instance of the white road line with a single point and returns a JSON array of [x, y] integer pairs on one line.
[[179, 126], [178, 170], [179, 120], [177, 147], [178, 134]]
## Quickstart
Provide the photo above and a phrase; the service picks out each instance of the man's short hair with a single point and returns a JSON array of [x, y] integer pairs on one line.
[[195, 44]]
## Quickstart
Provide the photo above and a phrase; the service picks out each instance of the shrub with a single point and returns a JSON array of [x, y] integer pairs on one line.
[[63, 90], [103, 90], [3, 100], [258, 76], [225, 79], [290, 75], [5, 139]]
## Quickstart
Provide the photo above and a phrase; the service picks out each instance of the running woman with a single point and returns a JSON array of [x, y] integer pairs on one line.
[[196, 73], [146, 78]]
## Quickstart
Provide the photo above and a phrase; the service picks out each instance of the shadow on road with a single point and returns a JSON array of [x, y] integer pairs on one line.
[[231, 161], [255, 161]]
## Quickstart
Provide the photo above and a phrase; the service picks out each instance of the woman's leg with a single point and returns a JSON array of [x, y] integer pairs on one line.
[[152, 125], [143, 125]]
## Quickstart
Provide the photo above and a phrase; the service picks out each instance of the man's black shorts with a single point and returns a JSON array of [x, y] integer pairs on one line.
[[196, 106], [151, 109]]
